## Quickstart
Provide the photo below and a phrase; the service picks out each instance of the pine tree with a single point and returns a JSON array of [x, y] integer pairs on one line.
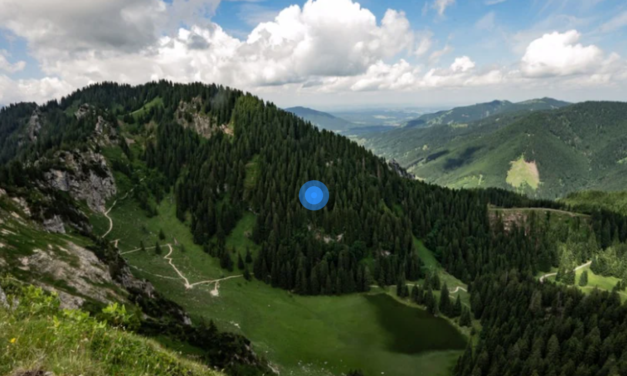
[[247, 275], [157, 248], [435, 281], [445, 301], [161, 235], [249, 256], [457, 308], [240, 261], [465, 319], [141, 246], [583, 279]]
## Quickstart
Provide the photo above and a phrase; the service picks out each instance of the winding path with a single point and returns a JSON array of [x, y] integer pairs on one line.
[[553, 274], [106, 213]]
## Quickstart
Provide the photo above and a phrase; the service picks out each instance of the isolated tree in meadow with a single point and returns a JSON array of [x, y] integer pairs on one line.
[[465, 319], [583, 279], [240, 261], [247, 275], [435, 281], [249, 256], [157, 248], [457, 308], [141, 246], [445, 301], [161, 235]]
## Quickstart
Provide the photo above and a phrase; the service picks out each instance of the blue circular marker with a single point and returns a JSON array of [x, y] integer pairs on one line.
[[314, 195]]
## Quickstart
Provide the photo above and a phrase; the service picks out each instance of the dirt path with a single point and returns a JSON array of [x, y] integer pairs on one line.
[[457, 290], [106, 213], [553, 274], [571, 214]]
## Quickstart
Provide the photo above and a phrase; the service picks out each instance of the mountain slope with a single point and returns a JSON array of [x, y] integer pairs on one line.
[[461, 116], [322, 120], [544, 154]]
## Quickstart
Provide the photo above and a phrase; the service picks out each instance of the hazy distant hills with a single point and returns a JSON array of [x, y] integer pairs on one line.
[[545, 153], [463, 115], [322, 120]]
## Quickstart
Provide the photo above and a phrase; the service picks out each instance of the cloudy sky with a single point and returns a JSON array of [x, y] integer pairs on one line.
[[321, 53]]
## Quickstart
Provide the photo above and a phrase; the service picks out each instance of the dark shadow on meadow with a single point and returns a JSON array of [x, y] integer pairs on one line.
[[413, 330]]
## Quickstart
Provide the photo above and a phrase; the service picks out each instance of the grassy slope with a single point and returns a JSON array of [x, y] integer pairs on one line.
[[303, 335], [595, 281], [71, 343]]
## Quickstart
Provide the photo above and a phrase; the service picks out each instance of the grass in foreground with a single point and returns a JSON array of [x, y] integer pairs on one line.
[[38, 336]]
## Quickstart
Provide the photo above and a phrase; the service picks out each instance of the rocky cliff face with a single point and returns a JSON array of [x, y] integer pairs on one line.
[[85, 176], [189, 115]]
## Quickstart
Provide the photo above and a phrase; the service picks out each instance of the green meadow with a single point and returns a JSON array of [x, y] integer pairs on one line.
[[325, 335]]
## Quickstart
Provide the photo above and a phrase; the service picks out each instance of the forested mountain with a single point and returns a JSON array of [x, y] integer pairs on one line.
[[322, 120], [544, 154], [224, 155], [461, 116]]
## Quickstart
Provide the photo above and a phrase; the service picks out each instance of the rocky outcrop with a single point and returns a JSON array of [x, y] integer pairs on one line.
[[189, 115], [54, 224], [78, 268], [83, 111], [34, 125], [86, 177], [396, 167]]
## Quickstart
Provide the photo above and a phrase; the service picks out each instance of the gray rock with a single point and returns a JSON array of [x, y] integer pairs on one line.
[[87, 178], [54, 224], [34, 125]]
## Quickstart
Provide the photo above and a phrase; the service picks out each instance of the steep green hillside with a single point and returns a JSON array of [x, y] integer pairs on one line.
[[322, 120], [195, 188], [545, 154], [39, 338], [460, 116]]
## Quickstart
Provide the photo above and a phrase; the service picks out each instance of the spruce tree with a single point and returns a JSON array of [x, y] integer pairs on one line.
[[157, 248], [161, 235], [457, 308], [583, 279], [249, 256], [141, 246], [240, 261], [465, 319], [445, 301]]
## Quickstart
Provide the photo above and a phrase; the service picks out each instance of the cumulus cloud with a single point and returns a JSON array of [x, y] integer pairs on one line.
[[560, 54], [32, 90], [462, 64]]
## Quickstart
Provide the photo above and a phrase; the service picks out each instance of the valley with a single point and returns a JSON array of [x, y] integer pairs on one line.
[[299, 335]]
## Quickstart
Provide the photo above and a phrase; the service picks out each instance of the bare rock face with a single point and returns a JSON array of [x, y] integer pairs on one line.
[[188, 115], [34, 125], [87, 178], [54, 224], [78, 268], [83, 111], [396, 167]]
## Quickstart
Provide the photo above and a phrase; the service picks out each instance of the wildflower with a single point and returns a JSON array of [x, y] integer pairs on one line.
[[13, 340]]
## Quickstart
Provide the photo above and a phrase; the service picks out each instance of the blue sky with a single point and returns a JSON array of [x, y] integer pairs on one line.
[[322, 52]]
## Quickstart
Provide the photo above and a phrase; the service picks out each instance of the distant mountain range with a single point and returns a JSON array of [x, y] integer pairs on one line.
[[467, 114], [555, 150], [322, 120]]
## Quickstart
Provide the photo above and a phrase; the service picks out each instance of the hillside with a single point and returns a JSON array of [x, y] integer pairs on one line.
[[194, 189], [589, 200], [546, 154], [322, 120], [461, 116]]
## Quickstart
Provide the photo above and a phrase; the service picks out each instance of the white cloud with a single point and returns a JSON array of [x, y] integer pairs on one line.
[[560, 54], [8, 67], [616, 23], [32, 90], [462, 64], [486, 22], [441, 5]]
